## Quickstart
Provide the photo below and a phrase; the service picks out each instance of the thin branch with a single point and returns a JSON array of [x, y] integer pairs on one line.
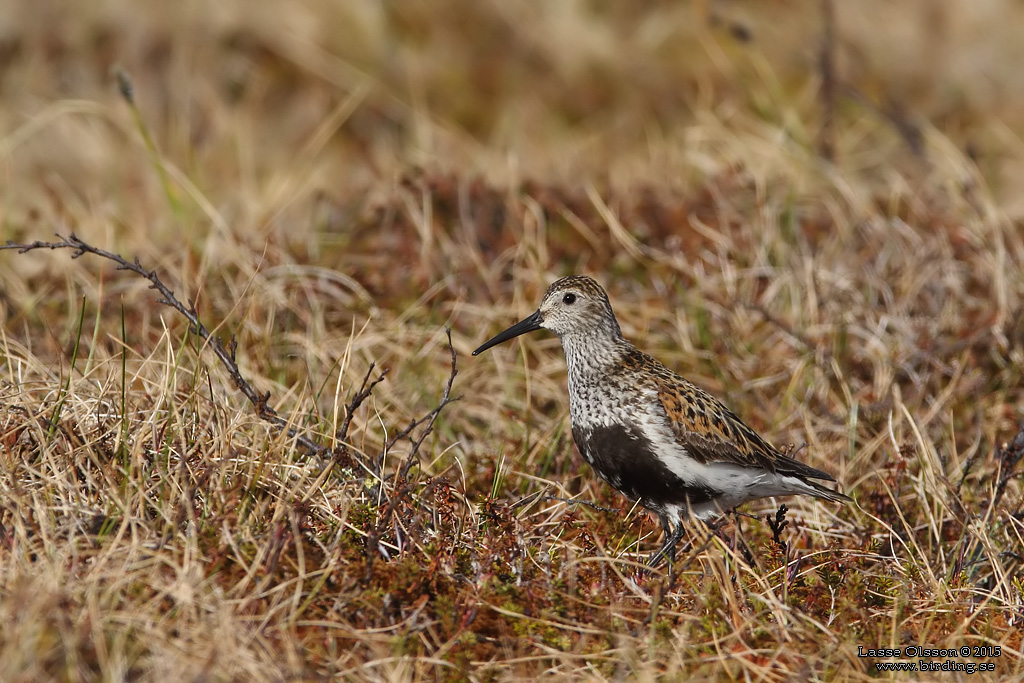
[[403, 486], [427, 419], [778, 525], [365, 389], [226, 354], [1009, 457]]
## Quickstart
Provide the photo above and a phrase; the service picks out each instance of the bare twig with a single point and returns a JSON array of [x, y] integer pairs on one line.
[[427, 419], [365, 389], [226, 354], [402, 484], [1009, 457], [778, 525]]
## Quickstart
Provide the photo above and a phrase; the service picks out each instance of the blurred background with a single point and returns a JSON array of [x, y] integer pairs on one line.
[[239, 95]]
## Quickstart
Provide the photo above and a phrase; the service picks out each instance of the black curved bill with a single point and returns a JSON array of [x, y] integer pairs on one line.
[[522, 327]]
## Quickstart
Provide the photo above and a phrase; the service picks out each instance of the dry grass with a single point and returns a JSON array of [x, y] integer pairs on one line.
[[334, 184]]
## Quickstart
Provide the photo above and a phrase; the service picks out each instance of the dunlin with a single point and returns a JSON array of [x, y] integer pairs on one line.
[[654, 436]]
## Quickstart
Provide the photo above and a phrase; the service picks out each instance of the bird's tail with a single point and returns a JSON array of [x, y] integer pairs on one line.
[[825, 493]]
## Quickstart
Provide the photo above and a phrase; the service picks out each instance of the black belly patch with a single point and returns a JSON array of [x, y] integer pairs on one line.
[[623, 457]]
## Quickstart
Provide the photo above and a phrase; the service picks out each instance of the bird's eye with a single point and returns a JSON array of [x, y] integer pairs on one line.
[[569, 299]]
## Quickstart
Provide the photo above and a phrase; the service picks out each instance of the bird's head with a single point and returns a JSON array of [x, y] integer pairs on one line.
[[572, 306]]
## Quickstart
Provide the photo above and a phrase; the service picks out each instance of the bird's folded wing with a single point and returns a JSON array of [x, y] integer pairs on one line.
[[710, 432]]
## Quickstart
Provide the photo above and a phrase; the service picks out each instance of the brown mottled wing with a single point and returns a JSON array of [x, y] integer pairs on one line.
[[710, 432]]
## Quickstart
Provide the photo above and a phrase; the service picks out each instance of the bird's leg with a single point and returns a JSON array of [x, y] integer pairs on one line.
[[666, 525], [668, 549]]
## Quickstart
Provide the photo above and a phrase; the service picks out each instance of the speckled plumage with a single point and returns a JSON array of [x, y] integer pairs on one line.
[[653, 435]]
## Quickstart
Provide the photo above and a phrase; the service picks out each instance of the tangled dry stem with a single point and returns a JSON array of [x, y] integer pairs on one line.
[[226, 354]]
